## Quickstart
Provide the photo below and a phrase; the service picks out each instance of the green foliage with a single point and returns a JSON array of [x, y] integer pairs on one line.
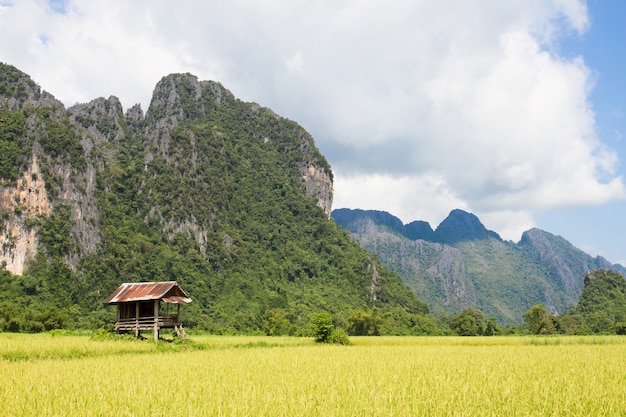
[[325, 331], [14, 83], [34, 318], [571, 324], [398, 321], [539, 321], [275, 323], [601, 309], [492, 328], [364, 323], [602, 302], [60, 141], [54, 233], [470, 322], [338, 336], [14, 149], [323, 326]]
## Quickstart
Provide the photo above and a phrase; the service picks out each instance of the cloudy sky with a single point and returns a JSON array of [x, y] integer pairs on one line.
[[512, 110]]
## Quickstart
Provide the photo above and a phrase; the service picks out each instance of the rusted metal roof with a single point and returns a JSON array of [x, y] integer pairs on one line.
[[176, 300], [168, 291]]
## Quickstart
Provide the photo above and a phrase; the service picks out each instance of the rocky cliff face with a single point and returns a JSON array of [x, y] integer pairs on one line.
[[565, 263], [319, 185], [54, 173], [46, 176], [22, 203], [66, 150]]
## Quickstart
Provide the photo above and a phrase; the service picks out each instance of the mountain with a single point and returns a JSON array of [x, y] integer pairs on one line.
[[226, 197], [461, 264]]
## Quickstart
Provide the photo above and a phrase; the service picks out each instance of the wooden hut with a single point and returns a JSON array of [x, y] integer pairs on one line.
[[146, 306]]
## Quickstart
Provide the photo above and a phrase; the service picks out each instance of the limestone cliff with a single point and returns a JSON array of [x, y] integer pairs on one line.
[[66, 152], [22, 204]]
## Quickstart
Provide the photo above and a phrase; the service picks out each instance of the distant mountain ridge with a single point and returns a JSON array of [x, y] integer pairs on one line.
[[461, 264], [459, 226]]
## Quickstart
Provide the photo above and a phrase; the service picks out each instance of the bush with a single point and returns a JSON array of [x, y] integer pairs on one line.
[[325, 331], [275, 323], [322, 327], [339, 337]]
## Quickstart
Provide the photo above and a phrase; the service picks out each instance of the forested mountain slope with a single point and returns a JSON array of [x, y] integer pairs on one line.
[[225, 197], [461, 264]]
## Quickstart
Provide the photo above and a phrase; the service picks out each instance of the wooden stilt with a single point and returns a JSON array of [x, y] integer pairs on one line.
[[137, 319], [156, 320]]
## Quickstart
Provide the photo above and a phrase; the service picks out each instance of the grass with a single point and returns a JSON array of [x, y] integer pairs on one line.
[[262, 376]]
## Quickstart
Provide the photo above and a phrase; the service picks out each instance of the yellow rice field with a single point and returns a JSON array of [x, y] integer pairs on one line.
[[64, 375]]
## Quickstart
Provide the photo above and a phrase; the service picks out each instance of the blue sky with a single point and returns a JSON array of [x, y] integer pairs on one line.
[[600, 229], [511, 110]]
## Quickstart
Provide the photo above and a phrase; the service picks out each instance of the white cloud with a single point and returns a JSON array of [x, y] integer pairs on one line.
[[510, 224], [420, 106], [295, 62]]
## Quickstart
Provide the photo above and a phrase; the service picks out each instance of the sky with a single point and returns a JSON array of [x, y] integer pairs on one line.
[[512, 110]]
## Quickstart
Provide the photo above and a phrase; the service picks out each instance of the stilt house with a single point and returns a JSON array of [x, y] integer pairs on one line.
[[146, 306]]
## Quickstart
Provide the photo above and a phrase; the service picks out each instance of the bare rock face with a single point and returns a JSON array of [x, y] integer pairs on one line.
[[319, 185], [317, 177], [448, 269], [23, 203]]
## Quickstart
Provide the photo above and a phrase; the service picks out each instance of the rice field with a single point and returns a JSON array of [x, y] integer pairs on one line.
[[65, 375]]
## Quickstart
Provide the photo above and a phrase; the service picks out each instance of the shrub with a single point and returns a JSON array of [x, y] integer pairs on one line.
[[325, 331], [322, 327], [339, 337]]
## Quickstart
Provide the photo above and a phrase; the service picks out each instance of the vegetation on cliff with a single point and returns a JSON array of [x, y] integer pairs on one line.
[[600, 310], [206, 190]]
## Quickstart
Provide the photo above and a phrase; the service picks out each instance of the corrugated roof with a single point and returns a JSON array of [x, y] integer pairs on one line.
[[176, 300], [145, 291]]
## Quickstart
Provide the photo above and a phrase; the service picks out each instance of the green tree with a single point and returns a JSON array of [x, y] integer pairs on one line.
[[275, 323], [572, 324], [470, 322], [539, 321], [324, 330], [364, 322], [322, 327], [492, 328]]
